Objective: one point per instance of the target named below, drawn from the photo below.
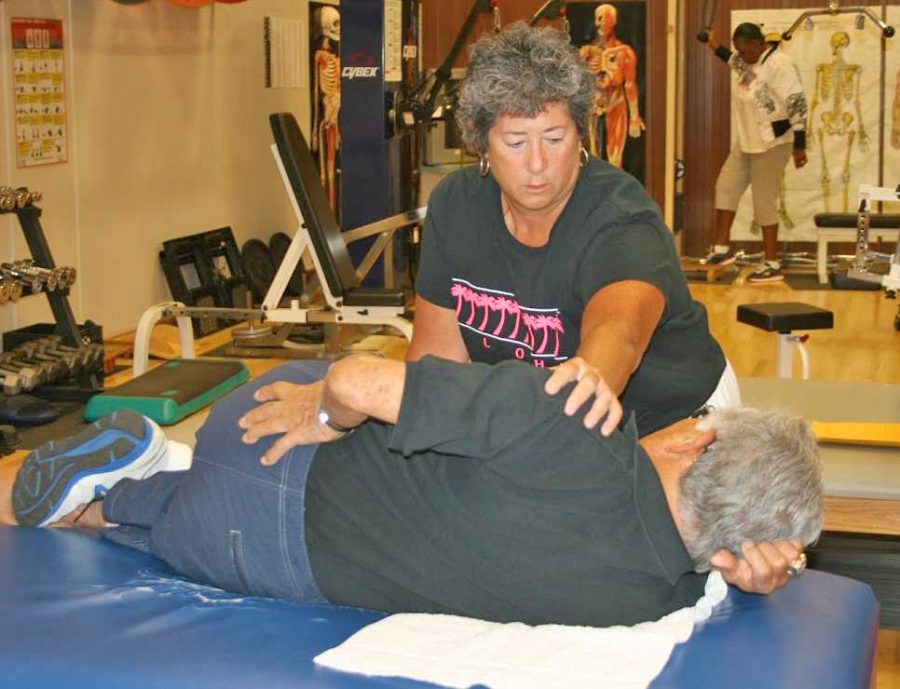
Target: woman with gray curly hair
(544, 254)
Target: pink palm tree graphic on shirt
(495, 310)
(472, 297)
(546, 324)
(483, 301)
(459, 291)
(502, 305)
(529, 322)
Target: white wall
(168, 134)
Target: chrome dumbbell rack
(88, 382)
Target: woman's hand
(289, 409)
(799, 157)
(589, 384)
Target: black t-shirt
(518, 302)
(485, 500)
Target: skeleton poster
(325, 64)
(891, 177)
(611, 37)
(839, 66)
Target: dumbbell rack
(88, 383)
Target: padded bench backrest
(324, 231)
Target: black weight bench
(783, 318)
(347, 300)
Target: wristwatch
(325, 419)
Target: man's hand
(590, 384)
(290, 409)
(763, 567)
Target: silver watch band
(325, 419)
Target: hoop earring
(583, 158)
(484, 166)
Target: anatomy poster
(611, 36)
(39, 94)
(892, 107)
(840, 67)
(325, 64)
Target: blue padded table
(79, 612)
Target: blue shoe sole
(51, 471)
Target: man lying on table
(462, 489)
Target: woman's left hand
(589, 384)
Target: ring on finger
(797, 565)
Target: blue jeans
(229, 521)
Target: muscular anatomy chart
(616, 110)
(326, 96)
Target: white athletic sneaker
(61, 475)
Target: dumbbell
(29, 278)
(10, 290)
(15, 290)
(13, 361)
(18, 378)
(12, 382)
(67, 276)
(75, 359)
(78, 357)
(87, 355)
(32, 354)
(26, 268)
(21, 197)
(63, 365)
(97, 351)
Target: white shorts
(728, 392)
(762, 172)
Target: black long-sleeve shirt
(486, 500)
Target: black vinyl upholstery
(784, 317)
(877, 221)
(324, 231)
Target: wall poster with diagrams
(891, 177)
(840, 64)
(39, 91)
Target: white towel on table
(461, 651)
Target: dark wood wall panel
(706, 113)
(443, 19)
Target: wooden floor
(863, 346)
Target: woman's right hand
(711, 39)
(590, 384)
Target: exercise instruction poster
(39, 85)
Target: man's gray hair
(518, 72)
(759, 481)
